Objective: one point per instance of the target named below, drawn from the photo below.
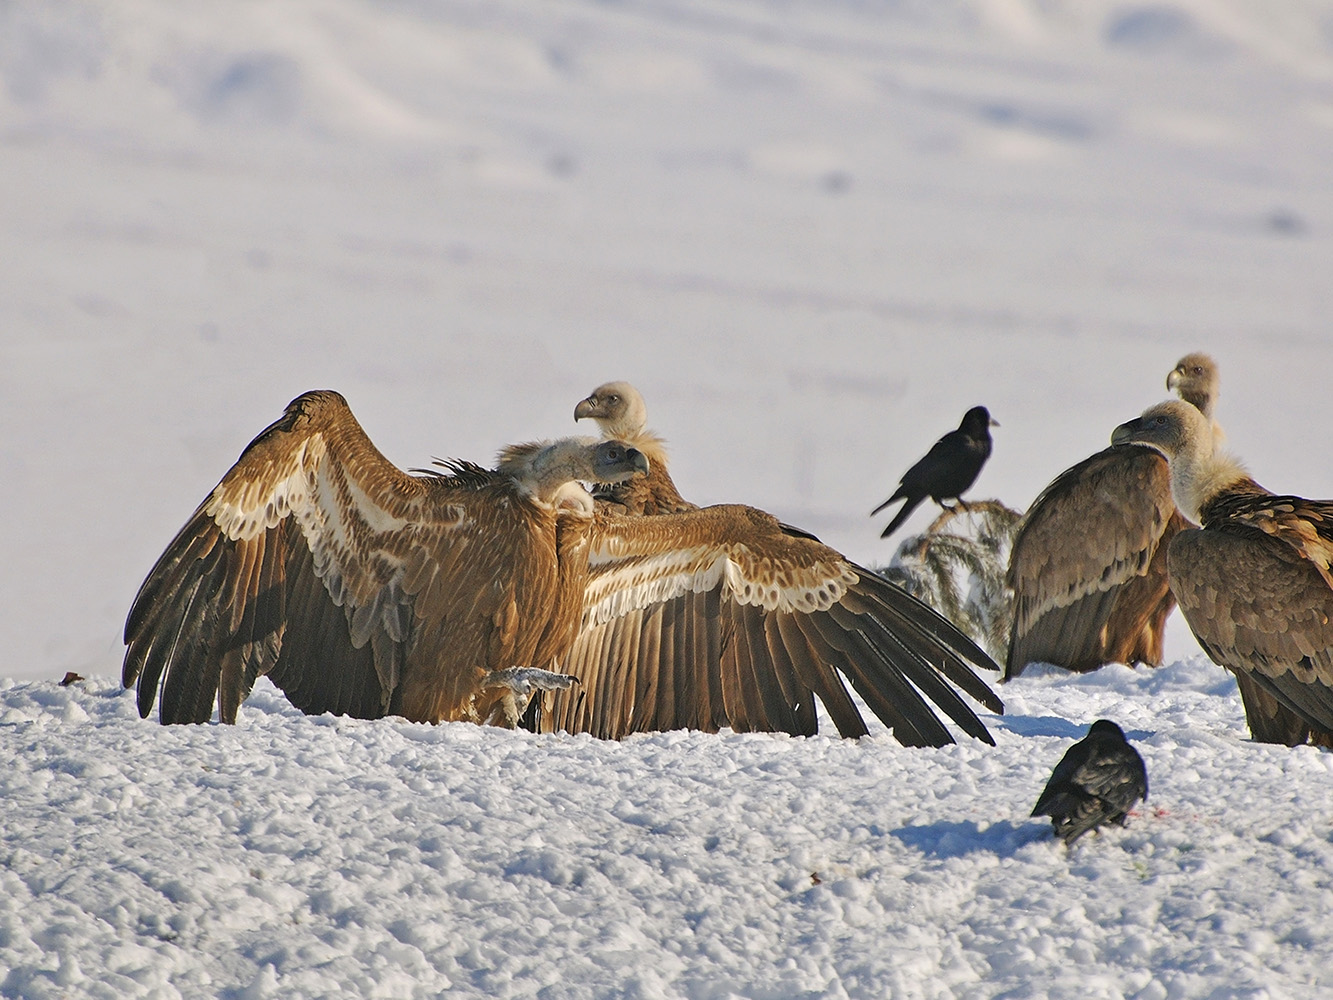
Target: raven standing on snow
(1097, 781)
(948, 469)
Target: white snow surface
(813, 235)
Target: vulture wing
(1260, 605)
(1088, 567)
(358, 588)
(726, 617)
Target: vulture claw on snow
(1088, 563)
(1253, 581)
(947, 471)
(1097, 781)
(725, 617)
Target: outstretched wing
(309, 562)
(1087, 587)
(725, 617)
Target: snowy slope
(813, 234)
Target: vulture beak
(994, 422)
(617, 462)
(586, 408)
(1174, 377)
(1124, 434)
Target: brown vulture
(1253, 581)
(725, 617)
(1088, 564)
(360, 589)
(620, 413)
(947, 470)
(363, 590)
(1097, 781)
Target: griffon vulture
(947, 470)
(620, 413)
(1253, 581)
(1097, 781)
(725, 617)
(362, 590)
(1088, 564)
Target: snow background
(813, 235)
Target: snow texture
(813, 235)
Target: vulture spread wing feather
(282, 525)
(720, 617)
(358, 588)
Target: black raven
(1097, 781)
(949, 468)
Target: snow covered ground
(321, 857)
(813, 234)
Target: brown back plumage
(1254, 587)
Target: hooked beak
(1123, 433)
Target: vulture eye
(1198, 369)
(613, 399)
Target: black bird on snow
(1097, 781)
(949, 468)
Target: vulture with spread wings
(360, 589)
(725, 617)
(1253, 581)
(1088, 564)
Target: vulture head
(546, 470)
(1195, 380)
(617, 407)
(1184, 435)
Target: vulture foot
(521, 682)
